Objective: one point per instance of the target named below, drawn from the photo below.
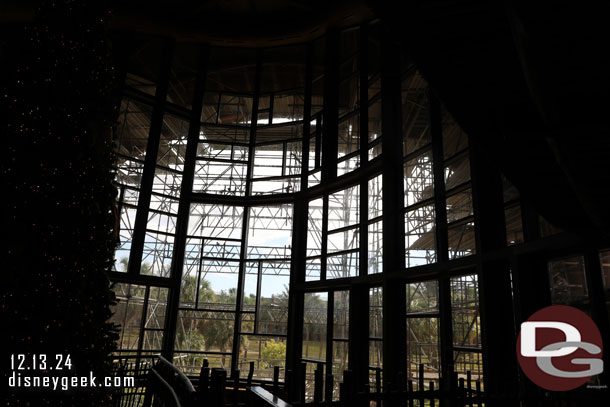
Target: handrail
(164, 389)
(259, 397)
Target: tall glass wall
(252, 214)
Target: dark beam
(294, 346)
(152, 148)
(495, 296)
(184, 209)
(330, 125)
(394, 306)
(442, 248)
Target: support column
(294, 347)
(359, 294)
(495, 296)
(244, 231)
(186, 188)
(531, 293)
(152, 149)
(442, 249)
(330, 118)
(394, 296)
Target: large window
(242, 212)
(418, 172)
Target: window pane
(167, 182)
(273, 310)
(161, 222)
(420, 245)
(461, 240)
(266, 353)
(314, 326)
(418, 179)
(344, 208)
(344, 240)
(128, 218)
(288, 107)
(340, 364)
(376, 312)
(375, 333)
(204, 331)
(191, 363)
(220, 178)
(604, 257)
(314, 179)
(341, 315)
(465, 311)
(270, 232)
(514, 226)
(375, 197)
(472, 362)
(152, 340)
(342, 265)
(268, 160)
(133, 127)
(276, 186)
(459, 205)
(457, 171)
(127, 313)
(454, 138)
(374, 129)
(312, 269)
(422, 297)
(568, 284)
(423, 349)
(347, 165)
(375, 250)
(157, 254)
(216, 221)
(509, 191)
(157, 304)
(172, 143)
(312, 159)
(349, 135)
(251, 286)
(212, 285)
(349, 78)
(415, 113)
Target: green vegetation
(274, 353)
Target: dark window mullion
(186, 187)
(257, 307)
(244, 235)
(148, 173)
(143, 321)
(199, 265)
(442, 245)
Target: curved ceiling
(233, 22)
(528, 81)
